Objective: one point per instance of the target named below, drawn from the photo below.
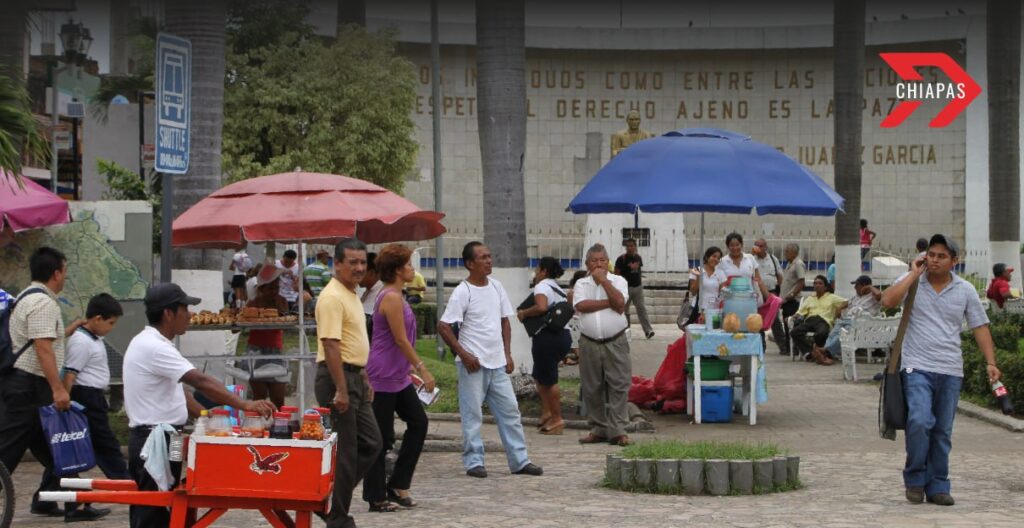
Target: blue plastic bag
(68, 435)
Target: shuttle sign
(173, 103)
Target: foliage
(674, 449)
(125, 184)
(292, 100)
(1006, 333)
(18, 129)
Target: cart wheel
(6, 497)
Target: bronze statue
(624, 138)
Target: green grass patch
(445, 374)
(669, 449)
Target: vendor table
(701, 342)
(269, 475)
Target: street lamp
(75, 40)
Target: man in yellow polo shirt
(815, 315)
(341, 383)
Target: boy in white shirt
(87, 376)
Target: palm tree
(18, 128)
(13, 33)
(351, 12)
(848, 92)
(203, 23)
(501, 92)
(1003, 58)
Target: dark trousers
(780, 327)
(146, 516)
(359, 440)
(104, 442)
(814, 324)
(410, 410)
(21, 429)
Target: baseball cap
(999, 269)
(269, 273)
(951, 245)
(166, 294)
(862, 280)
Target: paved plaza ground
(851, 476)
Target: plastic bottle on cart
(280, 428)
(312, 427)
(201, 423)
(293, 416)
(220, 423)
(252, 425)
(325, 417)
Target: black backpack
(7, 354)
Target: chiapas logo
(913, 91)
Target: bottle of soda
(999, 391)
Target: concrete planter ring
(699, 476)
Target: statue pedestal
(666, 251)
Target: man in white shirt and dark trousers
(605, 368)
(479, 306)
(154, 371)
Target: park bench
(866, 333)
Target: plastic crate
(716, 403)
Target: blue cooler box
(716, 401)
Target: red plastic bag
(641, 392)
(670, 381)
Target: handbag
(558, 315)
(67, 433)
(689, 312)
(892, 402)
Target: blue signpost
(173, 112)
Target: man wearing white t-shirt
(480, 308)
(153, 373)
(290, 285)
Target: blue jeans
(931, 406)
(832, 344)
(494, 387)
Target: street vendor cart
(273, 476)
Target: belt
(344, 366)
(606, 340)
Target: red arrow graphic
(905, 65)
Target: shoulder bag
(690, 310)
(892, 403)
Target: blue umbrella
(705, 170)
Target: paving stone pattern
(851, 476)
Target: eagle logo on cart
(270, 463)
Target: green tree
(18, 131)
(293, 100)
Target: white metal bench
(1011, 306)
(868, 333)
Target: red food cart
(270, 475)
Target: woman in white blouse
(740, 264)
(706, 281)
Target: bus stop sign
(173, 103)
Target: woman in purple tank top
(392, 358)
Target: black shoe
(477, 471)
(915, 495)
(878, 376)
(53, 511)
(649, 334)
(530, 469)
(86, 513)
(942, 499)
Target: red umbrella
(302, 207)
(29, 207)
